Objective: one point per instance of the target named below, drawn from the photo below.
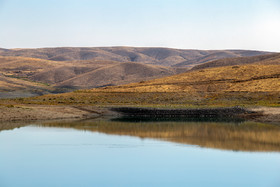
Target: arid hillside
(26, 74)
(15, 87)
(55, 70)
(246, 78)
(23, 67)
(269, 59)
(245, 85)
(155, 56)
(118, 74)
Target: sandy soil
(270, 114)
(40, 112)
(27, 113)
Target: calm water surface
(135, 154)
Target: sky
(186, 24)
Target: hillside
(68, 69)
(244, 74)
(24, 66)
(117, 74)
(245, 85)
(14, 87)
(155, 56)
(246, 78)
(260, 59)
(61, 76)
(9, 83)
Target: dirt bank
(269, 114)
(29, 113)
(48, 112)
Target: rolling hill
(243, 85)
(246, 78)
(14, 87)
(54, 70)
(155, 56)
(26, 74)
(248, 84)
(260, 59)
(118, 74)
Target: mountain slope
(68, 69)
(260, 59)
(121, 73)
(25, 66)
(245, 85)
(246, 78)
(72, 75)
(156, 56)
(14, 87)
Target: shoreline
(45, 112)
(23, 113)
(221, 112)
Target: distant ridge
(54, 70)
(246, 74)
(268, 59)
(34, 76)
(146, 55)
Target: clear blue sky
(189, 24)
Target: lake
(128, 153)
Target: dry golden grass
(247, 85)
(251, 84)
(25, 64)
(14, 84)
(246, 78)
(71, 75)
(15, 73)
(81, 74)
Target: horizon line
(128, 46)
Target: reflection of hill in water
(11, 125)
(246, 136)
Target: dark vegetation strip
(197, 113)
(136, 119)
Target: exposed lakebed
(122, 152)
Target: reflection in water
(87, 153)
(11, 125)
(245, 136)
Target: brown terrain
(245, 81)
(23, 113)
(29, 72)
(36, 76)
(246, 78)
(155, 56)
(269, 59)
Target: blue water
(58, 157)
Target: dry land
(42, 112)
(33, 112)
(251, 82)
